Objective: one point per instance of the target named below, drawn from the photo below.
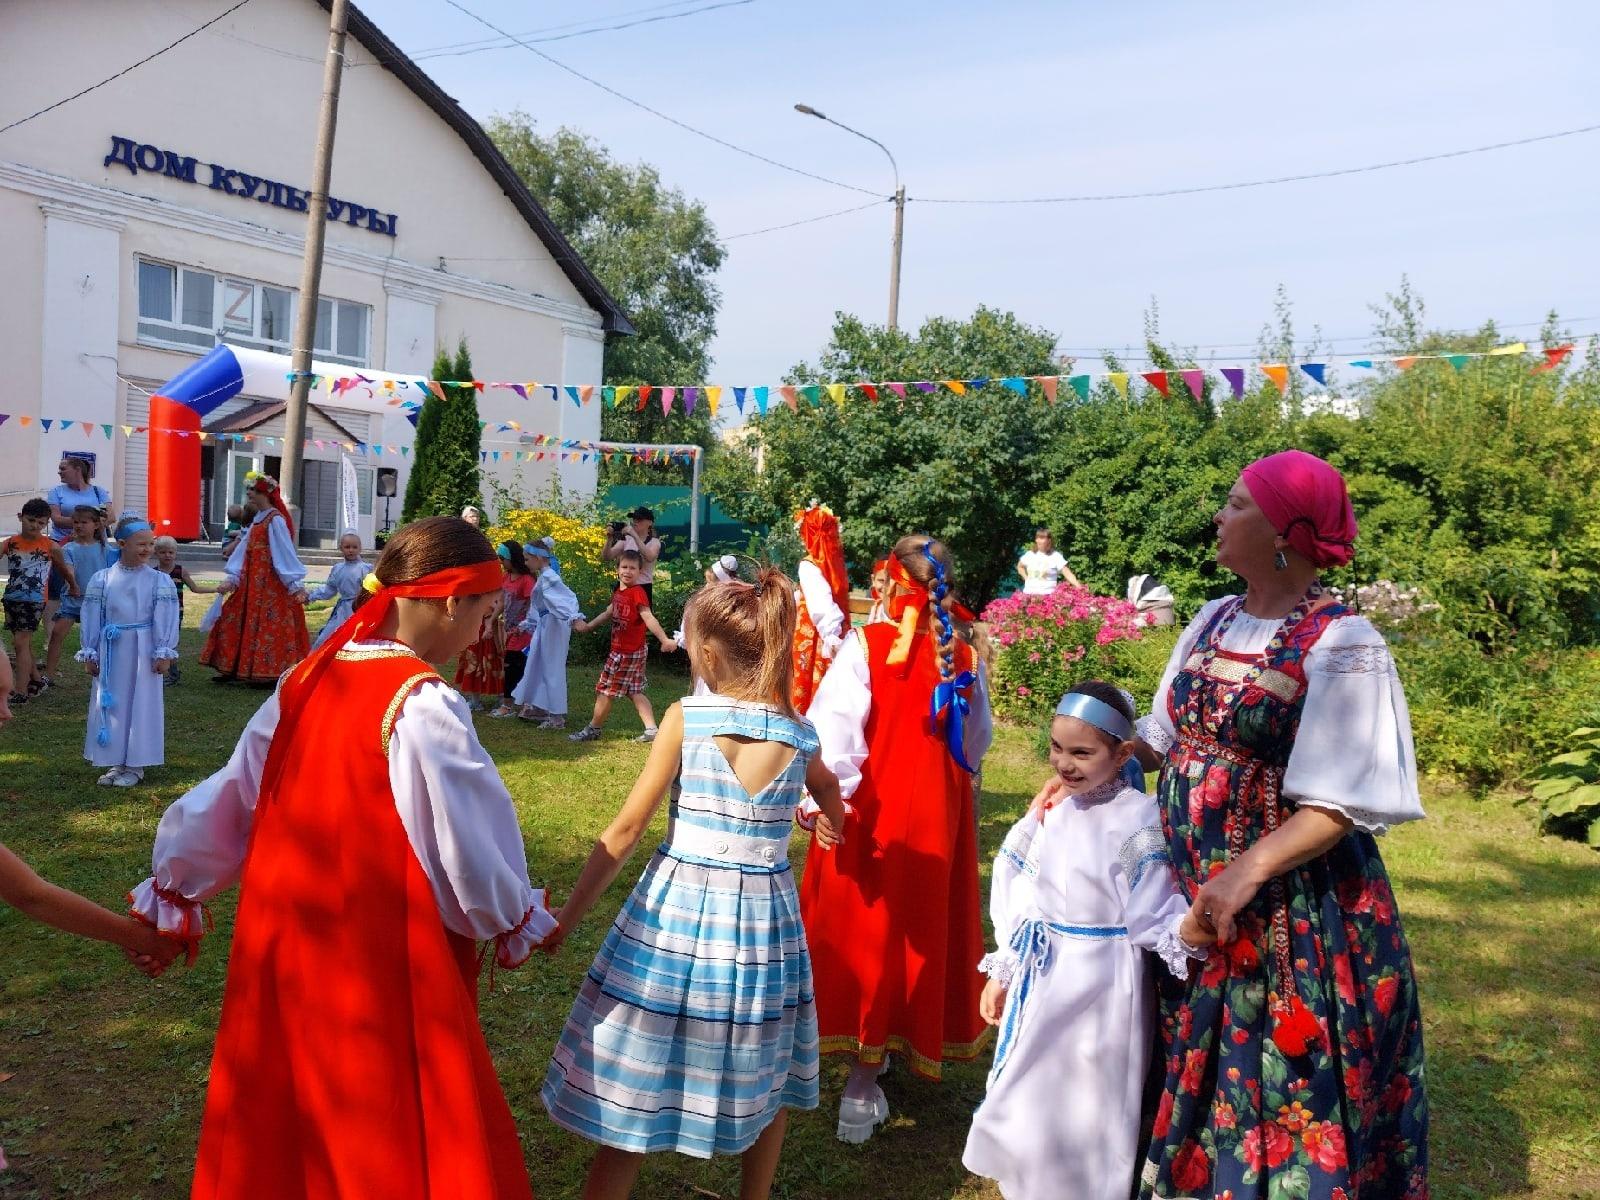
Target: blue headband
(543, 552)
(503, 551)
(1097, 713)
(131, 527)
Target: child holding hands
(696, 1028)
(1082, 886)
(623, 674)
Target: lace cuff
(171, 914)
(1372, 658)
(1000, 966)
(1155, 734)
(513, 947)
(1366, 819)
(1175, 953)
(164, 652)
(88, 655)
(807, 811)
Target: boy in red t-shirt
(623, 674)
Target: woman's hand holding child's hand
(828, 835)
(149, 952)
(1196, 930)
(993, 1002)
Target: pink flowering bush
(1044, 644)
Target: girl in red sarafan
(823, 616)
(261, 631)
(893, 915)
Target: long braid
(947, 632)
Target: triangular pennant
(1457, 360)
(576, 399)
(1235, 378)
(738, 398)
(1406, 362)
(478, 383)
(1080, 384)
(608, 396)
(925, 386)
(1195, 380)
(1361, 362)
(813, 394)
(1317, 371)
(586, 393)
(691, 396)
(899, 389)
(88, 426)
(1278, 373)
(48, 421)
(1514, 348)
(106, 429)
(1016, 383)
(761, 400)
(24, 421)
(127, 431)
(1049, 383)
(644, 395)
(520, 389)
(668, 395)
(1119, 380)
(4, 417)
(713, 398)
(619, 396)
(1157, 380)
(957, 386)
(1553, 356)
(871, 390)
(788, 394)
(836, 393)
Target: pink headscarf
(1305, 500)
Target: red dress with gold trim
(893, 915)
(349, 1061)
(481, 667)
(261, 631)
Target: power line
(502, 44)
(125, 70)
(627, 12)
(1255, 183)
(655, 112)
(809, 220)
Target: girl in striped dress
(695, 1029)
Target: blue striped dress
(697, 1022)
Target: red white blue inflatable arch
(178, 409)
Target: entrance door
(319, 503)
(240, 464)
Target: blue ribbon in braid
(948, 700)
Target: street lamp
(899, 209)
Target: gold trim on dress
(392, 713)
(1231, 670)
(896, 1044)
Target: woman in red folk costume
(893, 915)
(261, 631)
(375, 846)
(824, 601)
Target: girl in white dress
(1082, 887)
(130, 639)
(344, 581)
(542, 691)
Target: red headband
(473, 580)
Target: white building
(164, 211)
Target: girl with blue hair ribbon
(552, 608)
(130, 638)
(1081, 888)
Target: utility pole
(894, 265)
(305, 325)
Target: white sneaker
(649, 735)
(553, 723)
(859, 1119)
(109, 777)
(128, 777)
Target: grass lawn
(102, 1073)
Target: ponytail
(752, 627)
(776, 608)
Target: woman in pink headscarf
(1294, 1058)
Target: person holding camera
(637, 533)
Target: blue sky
(1027, 99)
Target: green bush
(1568, 790)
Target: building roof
(262, 411)
(430, 93)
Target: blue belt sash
(110, 634)
(1032, 944)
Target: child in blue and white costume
(344, 581)
(1082, 887)
(542, 691)
(130, 639)
(696, 1029)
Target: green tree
(963, 468)
(656, 251)
(444, 459)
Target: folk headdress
(267, 486)
(819, 534)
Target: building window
(364, 491)
(186, 308)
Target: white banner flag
(349, 502)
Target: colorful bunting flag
(1407, 362)
(1317, 371)
(644, 395)
(871, 390)
(1362, 362)
(45, 421)
(1080, 384)
(1235, 378)
(1157, 380)
(899, 389)
(1279, 374)
(1049, 383)
(1456, 360)
(1553, 357)
(738, 398)
(836, 393)
(761, 400)
(690, 397)
(813, 394)
(586, 393)
(1514, 348)
(1119, 380)
(788, 394)
(1016, 384)
(713, 398)
(1195, 381)
(956, 386)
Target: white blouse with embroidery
(1353, 753)
(456, 812)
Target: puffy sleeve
(234, 568)
(559, 600)
(202, 838)
(286, 563)
(463, 827)
(1353, 753)
(1011, 901)
(839, 711)
(826, 615)
(1156, 727)
(166, 619)
(93, 617)
(979, 730)
(1154, 905)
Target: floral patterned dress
(1247, 1110)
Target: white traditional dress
(130, 620)
(456, 812)
(1079, 893)
(551, 611)
(344, 581)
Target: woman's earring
(1280, 561)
